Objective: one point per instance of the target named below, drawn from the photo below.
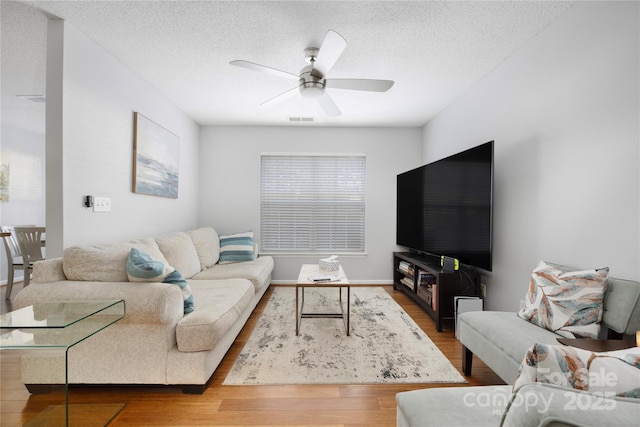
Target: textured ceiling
(433, 50)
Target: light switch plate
(102, 204)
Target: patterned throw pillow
(141, 267)
(236, 248)
(569, 304)
(614, 373)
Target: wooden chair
(14, 256)
(30, 240)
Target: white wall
(564, 112)
(92, 152)
(22, 138)
(230, 184)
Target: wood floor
(289, 405)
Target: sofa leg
(193, 389)
(467, 359)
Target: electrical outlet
(102, 204)
(483, 290)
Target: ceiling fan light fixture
(312, 89)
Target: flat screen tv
(445, 207)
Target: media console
(431, 287)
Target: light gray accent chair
(501, 340)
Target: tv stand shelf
(432, 288)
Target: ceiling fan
(312, 81)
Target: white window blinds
(312, 203)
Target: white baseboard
(16, 279)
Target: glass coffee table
(336, 279)
(61, 325)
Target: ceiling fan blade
(264, 69)
(331, 49)
(371, 85)
(280, 98)
(328, 105)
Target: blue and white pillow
(177, 279)
(141, 267)
(236, 248)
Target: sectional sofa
(501, 339)
(506, 342)
(158, 342)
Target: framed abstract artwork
(156, 159)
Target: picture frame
(156, 159)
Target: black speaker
(449, 263)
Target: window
(21, 176)
(312, 203)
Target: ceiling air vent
(301, 119)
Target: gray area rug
(385, 346)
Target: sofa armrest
(540, 404)
(48, 270)
(146, 303)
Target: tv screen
(445, 207)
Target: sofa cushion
(622, 306)
(501, 339)
(567, 303)
(236, 247)
(223, 301)
(257, 271)
(180, 252)
(452, 406)
(552, 406)
(207, 244)
(104, 262)
(143, 268)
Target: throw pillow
(236, 248)
(141, 267)
(176, 278)
(567, 303)
(207, 243)
(179, 251)
(608, 373)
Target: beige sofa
(155, 343)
